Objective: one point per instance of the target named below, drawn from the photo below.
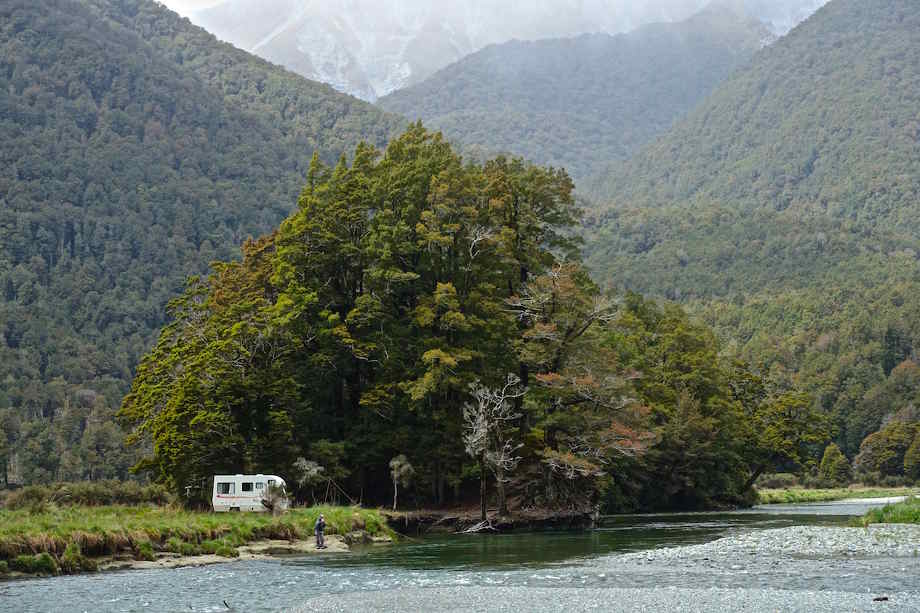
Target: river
(540, 566)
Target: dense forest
(784, 211)
(136, 149)
(578, 103)
(422, 313)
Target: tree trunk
(757, 472)
(482, 488)
(394, 494)
(502, 500)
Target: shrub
(892, 481)
(226, 551)
(41, 564)
(872, 478)
(88, 493)
(4, 567)
(777, 481)
(835, 468)
(73, 560)
(144, 551)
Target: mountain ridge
(578, 102)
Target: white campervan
(243, 492)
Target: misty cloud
(372, 47)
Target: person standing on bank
(319, 529)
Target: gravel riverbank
(878, 540)
(801, 568)
(663, 600)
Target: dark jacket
(320, 526)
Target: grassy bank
(798, 495)
(71, 539)
(907, 512)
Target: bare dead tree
(487, 424)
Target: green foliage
(835, 468)
(912, 459)
(784, 211)
(800, 495)
(88, 494)
(579, 103)
(39, 564)
(884, 451)
(907, 512)
(718, 427)
(774, 481)
(136, 149)
(144, 551)
(73, 561)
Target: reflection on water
(549, 559)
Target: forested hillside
(580, 102)
(136, 149)
(785, 209)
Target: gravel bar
(878, 540)
(650, 600)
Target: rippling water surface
(551, 559)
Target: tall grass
(907, 512)
(72, 533)
(87, 493)
(798, 495)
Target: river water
(536, 561)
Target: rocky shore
(798, 542)
(257, 550)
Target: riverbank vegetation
(67, 539)
(906, 512)
(86, 493)
(419, 307)
(800, 495)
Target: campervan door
(242, 492)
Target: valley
(623, 272)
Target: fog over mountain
(372, 47)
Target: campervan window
(226, 488)
(271, 482)
(260, 485)
(247, 486)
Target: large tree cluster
(420, 308)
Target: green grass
(72, 536)
(907, 512)
(796, 495)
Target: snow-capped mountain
(372, 47)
